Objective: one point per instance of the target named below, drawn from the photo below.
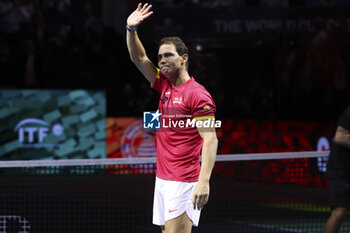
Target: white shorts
(172, 199)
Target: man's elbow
(137, 59)
(133, 59)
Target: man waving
(182, 183)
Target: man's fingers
(148, 14)
(142, 12)
(148, 8)
(194, 201)
(146, 11)
(200, 201)
(144, 7)
(206, 198)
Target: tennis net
(272, 193)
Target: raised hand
(140, 14)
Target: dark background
(299, 73)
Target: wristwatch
(130, 29)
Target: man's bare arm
(136, 50)
(342, 136)
(209, 149)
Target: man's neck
(180, 78)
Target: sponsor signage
(52, 124)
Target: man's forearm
(136, 50)
(209, 149)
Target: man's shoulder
(196, 87)
(197, 92)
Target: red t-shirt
(179, 148)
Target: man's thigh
(180, 224)
(172, 200)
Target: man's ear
(184, 58)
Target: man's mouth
(164, 67)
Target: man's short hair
(180, 46)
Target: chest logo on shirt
(177, 100)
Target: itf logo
(151, 120)
(32, 132)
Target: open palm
(140, 14)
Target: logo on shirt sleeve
(206, 107)
(151, 120)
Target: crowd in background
(64, 44)
(46, 44)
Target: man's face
(169, 61)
